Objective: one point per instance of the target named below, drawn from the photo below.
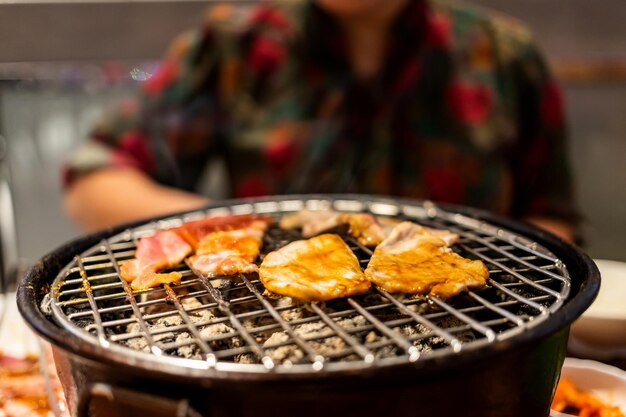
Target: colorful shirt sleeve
(183, 113)
(542, 180)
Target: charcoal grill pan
(513, 378)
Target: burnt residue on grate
(233, 320)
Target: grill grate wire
(230, 325)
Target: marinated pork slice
(366, 228)
(165, 249)
(414, 260)
(312, 222)
(228, 252)
(318, 269)
(153, 279)
(196, 231)
(447, 236)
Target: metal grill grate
(229, 325)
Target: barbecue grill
(221, 346)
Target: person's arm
(563, 229)
(118, 195)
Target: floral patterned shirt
(463, 111)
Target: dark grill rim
(585, 280)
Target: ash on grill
(277, 343)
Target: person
(423, 99)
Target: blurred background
(64, 63)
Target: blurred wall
(42, 123)
(97, 30)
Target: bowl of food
(590, 388)
(601, 330)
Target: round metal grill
(228, 323)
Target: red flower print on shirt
(470, 103)
(133, 150)
(252, 186)
(272, 17)
(265, 55)
(166, 73)
(438, 31)
(444, 183)
(552, 105)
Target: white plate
(607, 383)
(610, 300)
(600, 332)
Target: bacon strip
(223, 245)
(165, 249)
(228, 252)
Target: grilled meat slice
(416, 260)
(318, 269)
(152, 279)
(229, 252)
(165, 249)
(246, 239)
(367, 228)
(312, 222)
(195, 232)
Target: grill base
(517, 383)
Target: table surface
(16, 338)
